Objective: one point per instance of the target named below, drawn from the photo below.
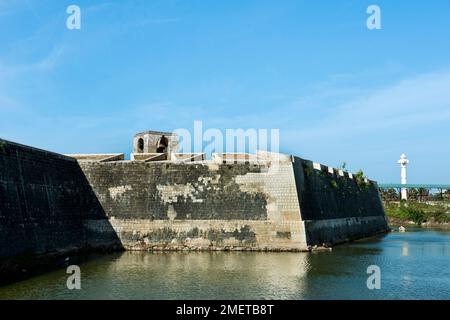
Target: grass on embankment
(437, 213)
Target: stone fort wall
(200, 205)
(335, 206)
(44, 201)
(51, 205)
(294, 205)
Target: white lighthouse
(403, 163)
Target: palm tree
(423, 193)
(389, 194)
(413, 194)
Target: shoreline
(396, 222)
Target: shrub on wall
(360, 178)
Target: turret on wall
(154, 143)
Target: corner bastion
(54, 204)
(261, 202)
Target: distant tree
(389, 194)
(413, 194)
(423, 194)
(384, 194)
(393, 194)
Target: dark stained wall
(138, 190)
(323, 195)
(337, 208)
(44, 199)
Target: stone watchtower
(155, 143)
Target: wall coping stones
(97, 157)
(54, 154)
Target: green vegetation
(389, 194)
(419, 212)
(360, 178)
(307, 170)
(333, 184)
(414, 194)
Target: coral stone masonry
(164, 200)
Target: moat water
(413, 265)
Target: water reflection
(405, 249)
(413, 265)
(212, 275)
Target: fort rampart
(52, 204)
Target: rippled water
(414, 265)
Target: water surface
(414, 265)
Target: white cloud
(423, 100)
(10, 71)
(53, 58)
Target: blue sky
(336, 90)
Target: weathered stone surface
(325, 195)
(228, 206)
(44, 199)
(335, 207)
(288, 205)
(51, 205)
(189, 191)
